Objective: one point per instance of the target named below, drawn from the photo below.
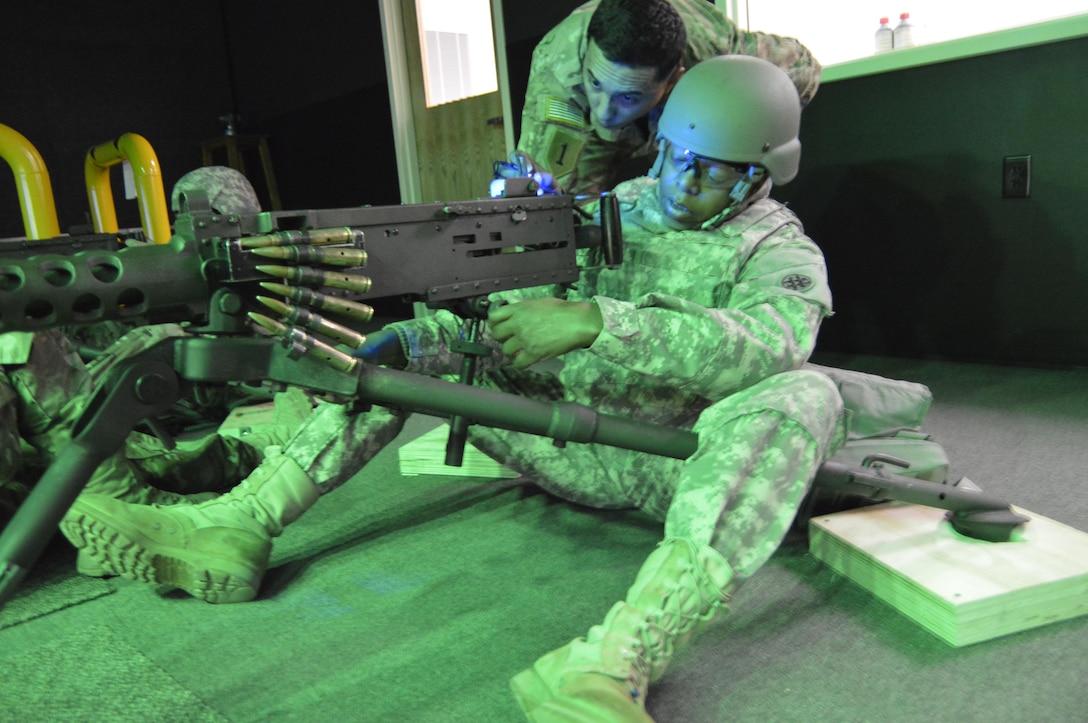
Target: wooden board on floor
(426, 454)
(241, 419)
(961, 589)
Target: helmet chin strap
(655, 170)
(743, 188)
(753, 177)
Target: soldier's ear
(676, 74)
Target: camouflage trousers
(336, 442)
(41, 400)
(758, 452)
(757, 455)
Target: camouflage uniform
(555, 129)
(45, 386)
(703, 330)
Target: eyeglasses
(711, 173)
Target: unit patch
(564, 146)
(796, 282)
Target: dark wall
(73, 76)
(311, 78)
(900, 184)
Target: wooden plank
(247, 417)
(427, 455)
(961, 589)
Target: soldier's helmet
(228, 191)
(737, 109)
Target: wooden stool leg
(234, 157)
(269, 174)
(235, 147)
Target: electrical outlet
(1016, 177)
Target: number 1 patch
(563, 149)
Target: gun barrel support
(145, 388)
(971, 512)
(562, 421)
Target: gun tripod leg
(145, 387)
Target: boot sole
(88, 566)
(134, 556)
(587, 703)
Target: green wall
(900, 184)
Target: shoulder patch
(564, 147)
(796, 282)
(557, 110)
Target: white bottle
(884, 37)
(904, 32)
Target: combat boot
(605, 676)
(86, 564)
(117, 477)
(217, 550)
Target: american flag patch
(560, 111)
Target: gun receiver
(441, 254)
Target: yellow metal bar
(154, 216)
(32, 183)
(96, 174)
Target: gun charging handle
(606, 234)
(611, 234)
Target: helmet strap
(655, 169)
(740, 191)
(752, 179)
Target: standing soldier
(599, 80)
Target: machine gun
(212, 274)
(443, 254)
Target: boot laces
(638, 654)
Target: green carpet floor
(416, 598)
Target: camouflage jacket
(555, 128)
(690, 317)
(42, 382)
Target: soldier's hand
(539, 329)
(521, 165)
(382, 347)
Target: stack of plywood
(961, 589)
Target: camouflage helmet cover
(229, 192)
